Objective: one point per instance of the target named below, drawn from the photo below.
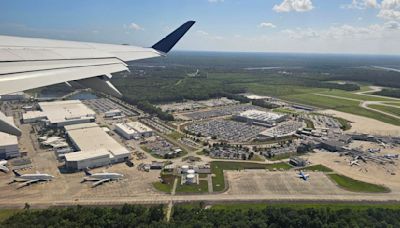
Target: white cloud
(390, 10)
(215, 1)
(294, 5)
(361, 4)
(266, 25)
(134, 26)
(201, 32)
(392, 25)
(207, 35)
(346, 32)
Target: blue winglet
(167, 43)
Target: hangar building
(96, 147)
(62, 113)
(8, 144)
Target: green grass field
(343, 105)
(167, 188)
(352, 185)
(319, 168)
(391, 110)
(218, 167)
(202, 187)
(352, 95)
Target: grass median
(352, 185)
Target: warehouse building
(82, 160)
(62, 113)
(8, 145)
(262, 118)
(93, 144)
(113, 113)
(133, 130)
(33, 117)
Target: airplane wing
(100, 182)
(27, 63)
(26, 183)
(4, 168)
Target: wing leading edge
(27, 63)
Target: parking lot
(226, 130)
(102, 105)
(321, 121)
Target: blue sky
(323, 26)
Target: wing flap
(97, 183)
(26, 183)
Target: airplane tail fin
(87, 172)
(16, 173)
(167, 43)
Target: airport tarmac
(261, 182)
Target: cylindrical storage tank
(190, 178)
(185, 168)
(190, 171)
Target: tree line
(153, 216)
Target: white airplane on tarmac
(28, 63)
(101, 178)
(3, 166)
(29, 179)
(303, 176)
(354, 162)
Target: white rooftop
(33, 115)
(256, 97)
(139, 127)
(85, 155)
(126, 129)
(7, 139)
(60, 111)
(90, 137)
(261, 115)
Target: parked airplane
(28, 63)
(354, 162)
(28, 179)
(100, 178)
(303, 175)
(3, 166)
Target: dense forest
(389, 93)
(153, 216)
(162, 80)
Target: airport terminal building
(8, 145)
